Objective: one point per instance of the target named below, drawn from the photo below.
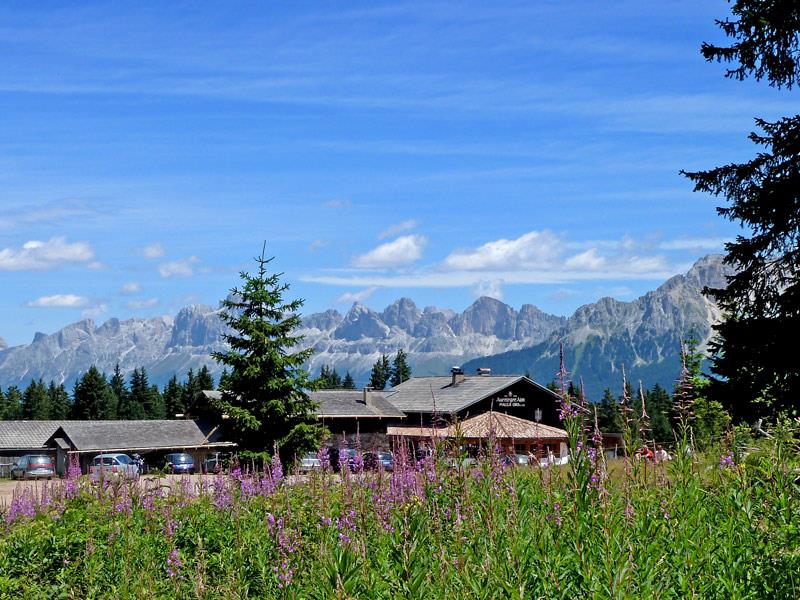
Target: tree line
(96, 396)
(654, 412)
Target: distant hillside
(644, 335)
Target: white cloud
(536, 249)
(130, 288)
(41, 255)
(184, 267)
(140, 304)
(96, 265)
(360, 296)
(490, 288)
(393, 230)
(60, 301)
(704, 243)
(588, 260)
(151, 251)
(403, 251)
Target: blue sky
(525, 150)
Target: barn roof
(438, 394)
(86, 436)
(340, 404)
(26, 435)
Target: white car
(107, 466)
(309, 462)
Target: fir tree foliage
(381, 373)
(266, 395)
(753, 354)
(329, 379)
(348, 383)
(400, 370)
(36, 402)
(93, 398)
(59, 401)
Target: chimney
(368, 395)
(458, 375)
(484, 371)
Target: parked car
(33, 466)
(517, 459)
(375, 460)
(179, 462)
(105, 466)
(215, 464)
(309, 462)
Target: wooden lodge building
(518, 413)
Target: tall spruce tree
(12, 404)
(381, 372)
(266, 396)
(145, 396)
(130, 406)
(173, 398)
(205, 381)
(93, 398)
(59, 401)
(348, 383)
(752, 355)
(120, 390)
(400, 370)
(36, 402)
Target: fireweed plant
(436, 526)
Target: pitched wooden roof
(480, 426)
(438, 394)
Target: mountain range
(643, 335)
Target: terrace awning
(489, 424)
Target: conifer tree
(59, 401)
(130, 407)
(205, 381)
(608, 416)
(3, 407)
(93, 398)
(400, 370)
(143, 395)
(347, 382)
(12, 404)
(36, 402)
(266, 396)
(381, 372)
(173, 398)
(119, 388)
(753, 352)
(191, 389)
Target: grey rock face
(361, 322)
(403, 314)
(486, 316)
(324, 321)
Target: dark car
(179, 462)
(378, 460)
(33, 466)
(343, 458)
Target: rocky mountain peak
(361, 322)
(324, 321)
(486, 316)
(196, 325)
(403, 314)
